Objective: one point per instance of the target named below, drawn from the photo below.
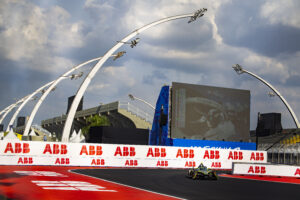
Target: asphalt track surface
(173, 182)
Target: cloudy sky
(40, 40)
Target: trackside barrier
(266, 170)
(114, 155)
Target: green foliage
(95, 120)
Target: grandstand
(120, 114)
(283, 147)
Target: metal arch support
(89, 77)
(52, 86)
(11, 107)
(240, 70)
(279, 95)
(12, 120)
(5, 109)
(145, 102)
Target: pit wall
(114, 155)
(266, 170)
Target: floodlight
(197, 14)
(238, 68)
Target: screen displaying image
(210, 113)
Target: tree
(95, 120)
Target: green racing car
(202, 172)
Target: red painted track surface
(266, 178)
(48, 182)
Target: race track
(174, 183)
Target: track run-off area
(53, 182)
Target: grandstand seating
(120, 114)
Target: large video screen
(209, 113)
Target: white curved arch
(12, 120)
(11, 107)
(52, 86)
(279, 95)
(239, 69)
(89, 77)
(5, 109)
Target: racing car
(202, 172)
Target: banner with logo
(266, 170)
(114, 155)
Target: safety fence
(145, 114)
(282, 153)
(113, 155)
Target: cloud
(266, 66)
(286, 13)
(35, 35)
(241, 24)
(109, 80)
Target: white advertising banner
(114, 155)
(266, 170)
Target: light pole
(29, 97)
(136, 98)
(45, 94)
(52, 86)
(89, 77)
(9, 108)
(5, 109)
(239, 70)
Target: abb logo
(92, 150)
(162, 163)
(185, 153)
(98, 162)
(18, 148)
(125, 151)
(158, 152)
(56, 149)
(25, 160)
(257, 170)
(257, 156)
(235, 155)
(62, 161)
(297, 172)
(131, 163)
(216, 165)
(211, 154)
(190, 164)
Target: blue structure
(214, 144)
(159, 133)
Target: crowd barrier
(266, 170)
(114, 155)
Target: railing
(283, 153)
(134, 109)
(41, 129)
